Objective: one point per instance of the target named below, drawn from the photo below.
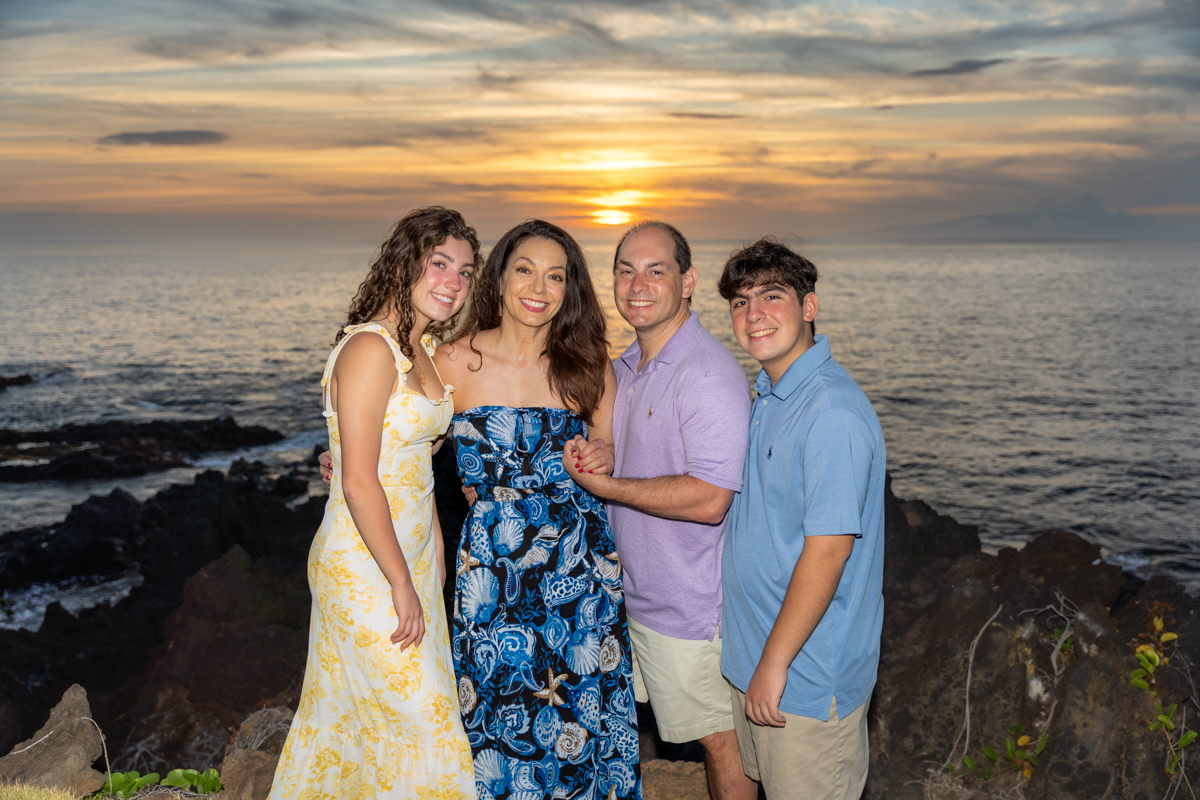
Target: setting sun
(611, 216)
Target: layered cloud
(732, 118)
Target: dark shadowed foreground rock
(173, 535)
(60, 755)
(940, 593)
(250, 760)
(237, 643)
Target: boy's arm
(810, 590)
(835, 457)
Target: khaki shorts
(682, 680)
(807, 758)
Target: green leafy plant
(126, 784)
(206, 782)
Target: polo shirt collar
(799, 372)
(671, 351)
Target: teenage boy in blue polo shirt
(802, 568)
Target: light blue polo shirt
(815, 467)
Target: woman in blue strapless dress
(540, 645)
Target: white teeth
(442, 298)
(640, 303)
(760, 334)
(534, 303)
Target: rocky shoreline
(119, 449)
(183, 670)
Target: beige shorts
(682, 680)
(806, 758)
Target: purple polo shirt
(686, 413)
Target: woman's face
(444, 285)
(535, 282)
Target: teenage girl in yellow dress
(379, 714)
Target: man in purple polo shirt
(680, 425)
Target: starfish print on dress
(466, 563)
(550, 693)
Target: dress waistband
(502, 493)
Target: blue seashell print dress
(541, 648)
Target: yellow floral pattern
(374, 722)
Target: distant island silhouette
(1085, 217)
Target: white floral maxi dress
(375, 722)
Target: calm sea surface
(1020, 386)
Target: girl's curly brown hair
(576, 348)
(400, 263)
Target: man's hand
(763, 694)
(471, 495)
(325, 461)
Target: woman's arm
(364, 377)
(602, 418)
(596, 454)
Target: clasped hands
(588, 462)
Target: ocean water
(1020, 386)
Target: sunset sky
(729, 118)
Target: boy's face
(770, 323)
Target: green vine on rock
(1154, 649)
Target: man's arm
(811, 588)
(672, 496)
(713, 423)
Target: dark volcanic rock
(250, 761)
(17, 380)
(1101, 747)
(174, 534)
(121, 449)
(60, 755)
(239, 641)
(939, 592)
(98, 537)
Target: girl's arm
(365, 376)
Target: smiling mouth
(534, 305)
(640, 303)
(762, 333)
(441, 298)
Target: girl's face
(444, 285)
(534, 282)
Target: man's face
(648, 287)
(769, 322)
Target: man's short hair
(683, 252)
(768, 261)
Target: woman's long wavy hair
(401, 263)
(576, 347)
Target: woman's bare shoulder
(455, 357)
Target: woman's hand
(325, 462)
(595, 457)
(471, 495)
(410, 628)
(599, 458)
